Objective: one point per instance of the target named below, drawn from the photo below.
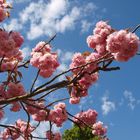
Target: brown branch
(34, 81)
(1, 62)
(37, 138)
(79, 120)
(3, 106)
(136, 28)
(58, 85)
(28, 61)
(37, 107)
(11, 128)
(46, 94)
(36, 126)
(48, 42)
(99, 60)
(61, 84)
(28, 115)
(50, 129)
(24, 64)
(57, 101)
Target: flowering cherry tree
(108, 45)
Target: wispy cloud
(131, 100)
(46, 18)
(26, 51)
(107, 105)
(85, 26)
(65, 59)
(43, 127)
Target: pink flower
(98, 129)
(44, 59)
(91, 42)
(88, 117)
(97, 41)
(17, 38)
(122, 44)
(58, 115)
(15, 107)
(74, 100)
(77, 60)
(89, 77)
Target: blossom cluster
(58, 115)
(99, 129)
(80, 89)
(37, 110)
(45, 60)
(121, 44)
(10, 54)
(15, 131)
(11, 90)
(97, 41)
(89, 118)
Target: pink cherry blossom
(44, 59)
(122, 44)
(88, 117)
(98, 129)
(97, 41)
(58, 115)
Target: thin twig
(99, 60)
(1, 61)
(136, 28)
(50, 130)
(79, 120)
(34, 81)
(57, 101)
(46, 94)
(28, 115)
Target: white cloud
(107, 105)
(65, 59)
(26, 51)
(66, 56)
(121, 102)
(43, 127)
(68, 21)
(46, 18)
(14, 25)
(62, 67)
(85, 26)
(90, 7)
(131, 99)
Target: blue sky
(116, 95)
